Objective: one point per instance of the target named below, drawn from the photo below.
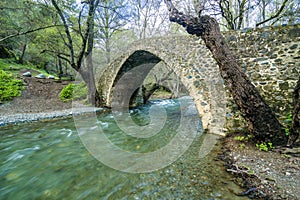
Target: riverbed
(49, 160)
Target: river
(49, 160)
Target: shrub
(9, 86)
(265, 146)
(73, 92)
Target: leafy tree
(80, 60)
(22, 21)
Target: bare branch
(79, 21)
(64, 58)
(190, 23)
(276, 14)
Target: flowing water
(47, 160)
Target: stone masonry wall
(271, 58)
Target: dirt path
(40, 95)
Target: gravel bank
(266, 175)
(11, 119)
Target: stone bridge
(269, 56)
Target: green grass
(8, 65)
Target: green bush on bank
(73, 92)
(9, 86)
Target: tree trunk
(60, 68)
(147, 93)
(93, 95)
(295, 131)
(260, 119)
(20, 60)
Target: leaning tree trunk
(261, 121)
(295, 131)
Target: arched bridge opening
(127, 85)
(121, 83)
(130, 88)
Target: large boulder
(27, 74)
(51, 77)
(41, 76)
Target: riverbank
(41, 116)
(264, 175)
(40, 101)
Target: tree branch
(64, 58)
(55, 52)
(274, 16)
(61, 55)
(67, 31)
(190, 23)
(27, 32)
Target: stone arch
(197, 71)
(134, 78)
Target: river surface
(49, 160)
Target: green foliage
(67, 92)
(73, 92)
(242, 146)
(288, 124)
(243, 138)
(265, 146)
(9, 86)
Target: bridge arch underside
(204, 85)
(126, 88)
